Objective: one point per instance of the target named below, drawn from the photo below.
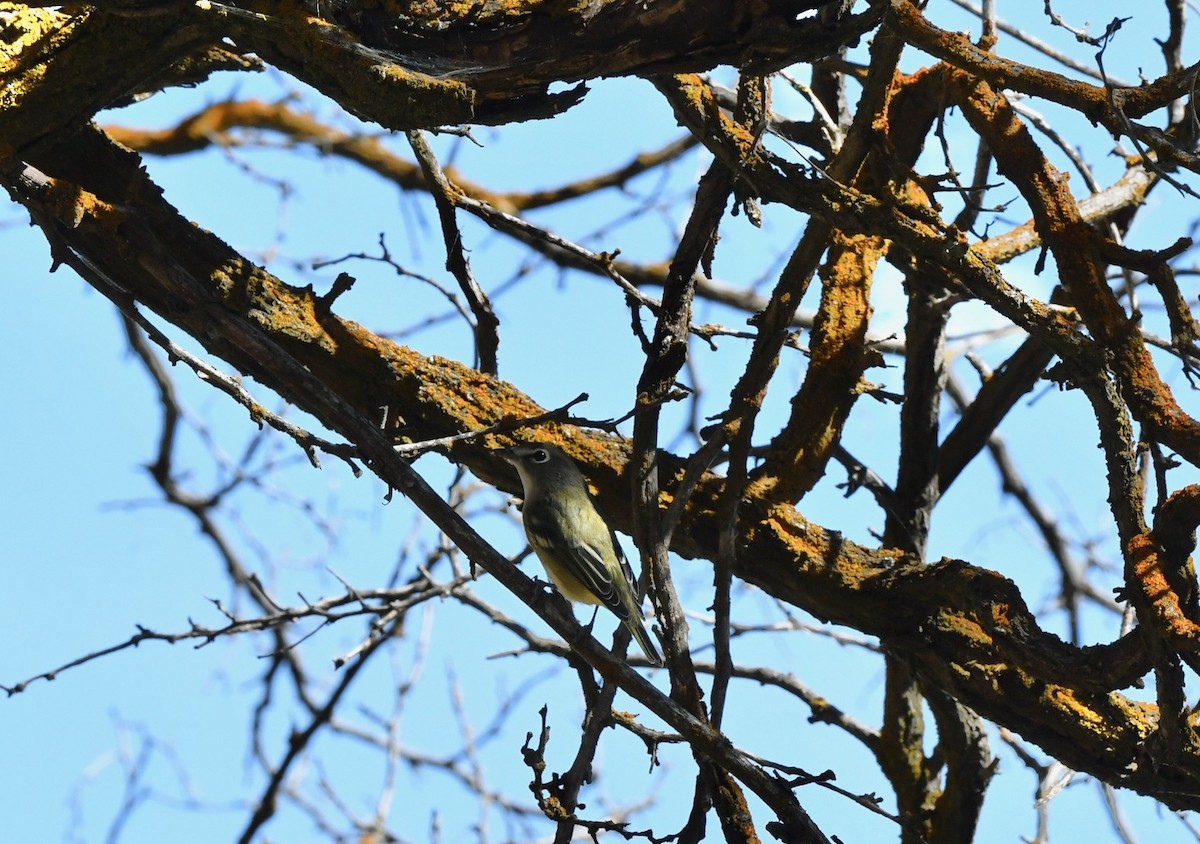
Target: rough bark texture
(963, 630)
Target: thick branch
(513, 48)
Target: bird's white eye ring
(541, 455)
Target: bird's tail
(638, 628)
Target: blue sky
(91, 552)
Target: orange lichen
(1144, 572)
(839, 357)
(966, 626)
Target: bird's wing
(582, 561)
(585, 565)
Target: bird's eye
(540, 455)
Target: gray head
(543, 466)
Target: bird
(575, 543)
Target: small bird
(573, 541)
